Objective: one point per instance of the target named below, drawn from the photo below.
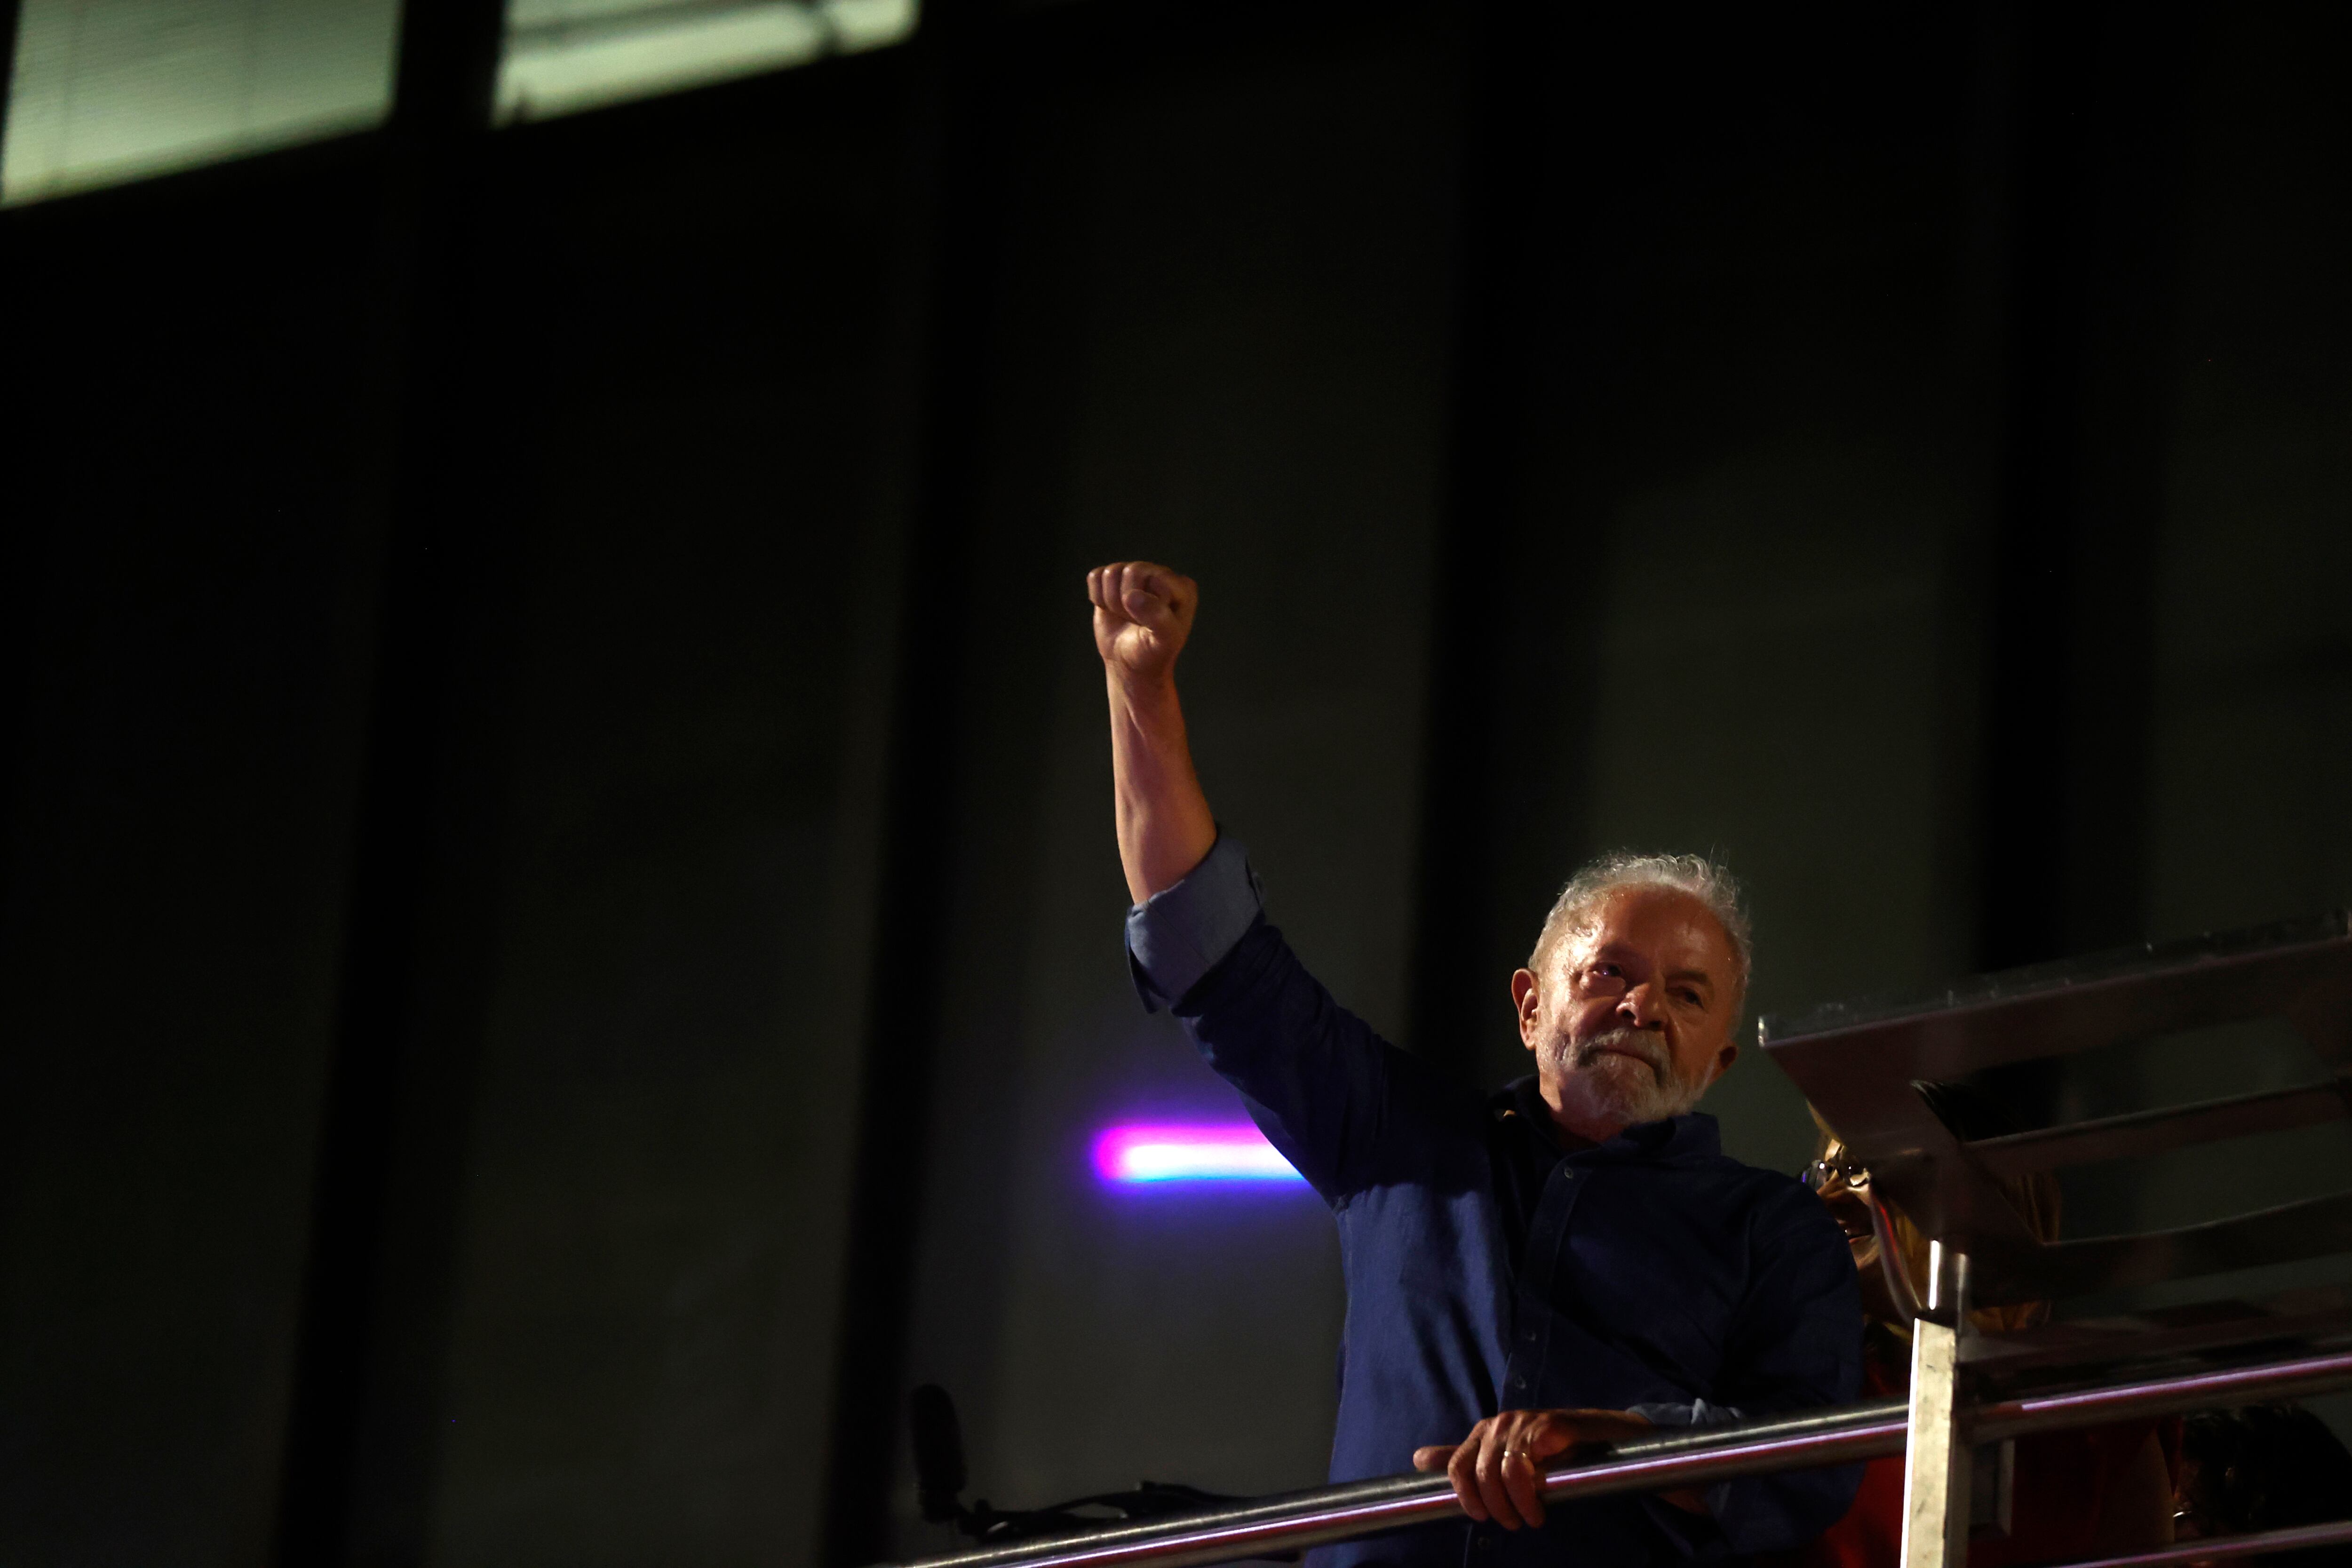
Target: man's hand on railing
(1498, 1472)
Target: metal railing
(1669, 1461)
(2236, 1548)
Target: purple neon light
(1147, 1152)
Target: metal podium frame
(1863, 1065)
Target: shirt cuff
(1180, 932)
(1697, 1412)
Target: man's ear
(1527, 999)
(1725, 1058)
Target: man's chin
(1631, 1063)
(1622, 1076)
(1630, 1097)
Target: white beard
(1614, 1088)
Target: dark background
(560, 941)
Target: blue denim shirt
(1488, 1269)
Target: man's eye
(1689, 997)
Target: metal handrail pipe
(2231, 1548)
(1326, 1514)
(1667, 1461)
(2174, 1396)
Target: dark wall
(191, 613)
(1725, 600)
(1221, 344)
(699, 359)
(2249, 685)
(2252, 648)
(660, 433)
(1810, 440)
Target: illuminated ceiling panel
(109, 90)
(567, 55)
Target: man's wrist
(1146, 696)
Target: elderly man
(1570, 1259)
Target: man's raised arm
(1143, 613)
(1315, 1073)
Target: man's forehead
(1662, 922)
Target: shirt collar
(1694, 1135)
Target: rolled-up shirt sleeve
(1179, 933)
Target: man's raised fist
(1143, 613)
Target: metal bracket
(1991, 1486)
(1939, 1464)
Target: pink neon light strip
(1151, 1153)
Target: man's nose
(1639, 1007)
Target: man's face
(1631, 1018)
(1844, 1184)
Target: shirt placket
(1525, 1368)
(1524, 1372)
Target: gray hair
(1701, 877)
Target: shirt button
(1530, 1336)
